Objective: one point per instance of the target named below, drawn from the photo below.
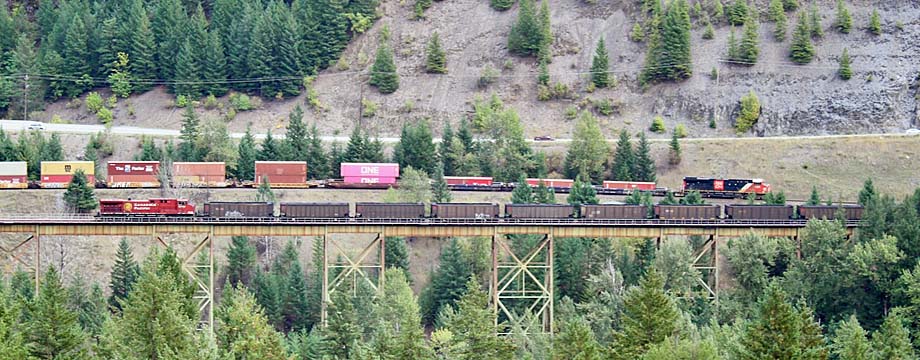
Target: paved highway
(19, 125)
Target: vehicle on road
(36, 126)
(544, 138)
(912, 132)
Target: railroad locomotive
(471, 211)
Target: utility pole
(25, 97)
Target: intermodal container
(630, 185)
(468, 180)
(314, 210)
(389, 210)
(213, 174)
(829, 212)
(239, 209)
(759, 212)
(369, 180)
(133, 174)
(57, 174)
(553, 183)
(464, 210)
(539, 211)
(14, 175)
(610, 211)
(370, 170)
(281, 172)
(695, 212)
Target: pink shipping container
(369, 180)
(212, 174)
(368, 170)
(133, 174)
(281, 172)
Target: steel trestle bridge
(517, 281)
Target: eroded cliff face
(807, 99)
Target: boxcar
(677, 212)
(539, 211)
(759, 212)
(239, 209)
(464, 211)
(314, 210)
(389, 210)
(610, 211)
(829, 212)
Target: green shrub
(210, 102)
(657, 125)
(105, 116)
(113, 100)
(57, 119)
(487, 77)
(94, 102)
(680, 130)
(750, 112)
(369, 108)
(242, 102)
(637, 35)
(182, 101)
(604, 107)
(571, 112)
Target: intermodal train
(293, 174)
(164, 207)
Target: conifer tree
(316, 155)
(525, 36)
(246, 156)
(892, 340)
(243, 331)
(90, 306)
(543, 194)
(12, 337)
(624, 160)
(188, 151)
(399, 311)
(802, 51)
(214, 70)
(844, 70)
(733, 50)
(875, 23)
(332, 28)
(447, 138)
(850, 340)
(599, 66)
(124, 274)
(143, 48)
(436, 57)
(501, 5)
(814, 198)
(582, 193)
(79, 195)
(383, 72)
(749, 49)
(269, 150)
(576, 340)
(237, 41)
(544, 52)
(790, 5)
(439, 190)
(543, 76)
(52, 150)
(285, 53)
(645, 169)
(294, 305)
(259, 58)
(668, 56)
(522, 193)
(674, 152)
(397, 255)
(710, 32)
(241, 261)
(447, 283)
(295, 142)
(188, 72)
(843, 22)
(649, 317)
(738, 13)
(54, 332)
(474, 329)
(588, 150)
(778, 16)
(817, 31)
(342, 332)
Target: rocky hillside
(881, 97)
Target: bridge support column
(202, 273)
(522, 286)
(351, 271)
(706, 262)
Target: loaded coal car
(539, 211)
(233, 209)
(759, 212)
(389, 210)
(688, 212)
(852, 212)
(149, 207)
(464, 210)
(612, 211)
(314, 210)
(725, 188)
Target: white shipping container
(13, 168)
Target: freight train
(293, 174)
(480, 211)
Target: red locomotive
(150, 207)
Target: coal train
(293, 175)
(168, 207)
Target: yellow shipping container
(67, 167)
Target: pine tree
(844, 70)
(850, 341)
(149, 151)
(738, 12)
(316, 156)
(892, 339)
(802, 51)
(668, 56)
(749, 49)
(342, 331)
(817, 31)
(12, 340)
(188, 73)
(843, 22)
(188, 151)
(733, 49)
(241, 260)
(645, 169)
(588, 150)
(582, 193)
(790, 5)
(416, 147)
(269, 150)
(332, 29)
(674, 152)
(245, 165)
(522, 193)
(436, 57)
(814, 198)
(474, 329)
(599, 66)
(525, 36)
(576, 341)
(90, 306)
(544, 194)
(624, 160)
(168, 24)
(124, 274)
(53, 151)
(397, 255)
(79, 195)
(237, 40)
(649, 317)
(501, 5)
(285, 53)
(294, 305)
(399, 313)
(543, 76)
(53, 328)
(875, 23)
(76, 54)
(778, 16)
(447, 138)
(383, 72)
(439, 190)
(295, 142)
(243, 331)
(544, 52)
(446, 283)
(215, 68)
(259, 58)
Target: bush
(94, 102)
(637, 35)
(182, 101)
(604, 107)
(657, 125)
(242, 102)
(105, 116)
(369, 108)
(113, 100)
(210, 102)
(359, 22)
(750, 112)
(571, 112)
(487, 77)
(408, 106)
(57, 119)
(680, 130)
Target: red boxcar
(630, 185)
(282, 173)
(468, 180)
(133, 174)
(553, 183)
(150, 207)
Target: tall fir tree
(749, 49)
(778, 16)
(246, 156)
(644, 169)
(439, 191)
(892, 339)
(237, 42)
(286, 64)
(600, 76)
(474, 327)
(576, 340)
(383, 72)
(188, 73)
(294, 306)
(214, 71)
(142, 66)
(850, 340)
(875, 23)
(624, 160)
(342, 332)
(54, 332)
(168, 25)
(190, 134)
(316, 155)
(844, 21)
(243, 331)
(259, 58)
(525, 36)
(650, 316)
(270, 150)
(295, 142)
(668, 56)
(436, 58)
(447, 283)
(802, 50)
(674, 151)
(241, 261)
(447, 139)
(76, 57)
(844, 70)
(124, 274)
(817, 31)
(79, 196)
